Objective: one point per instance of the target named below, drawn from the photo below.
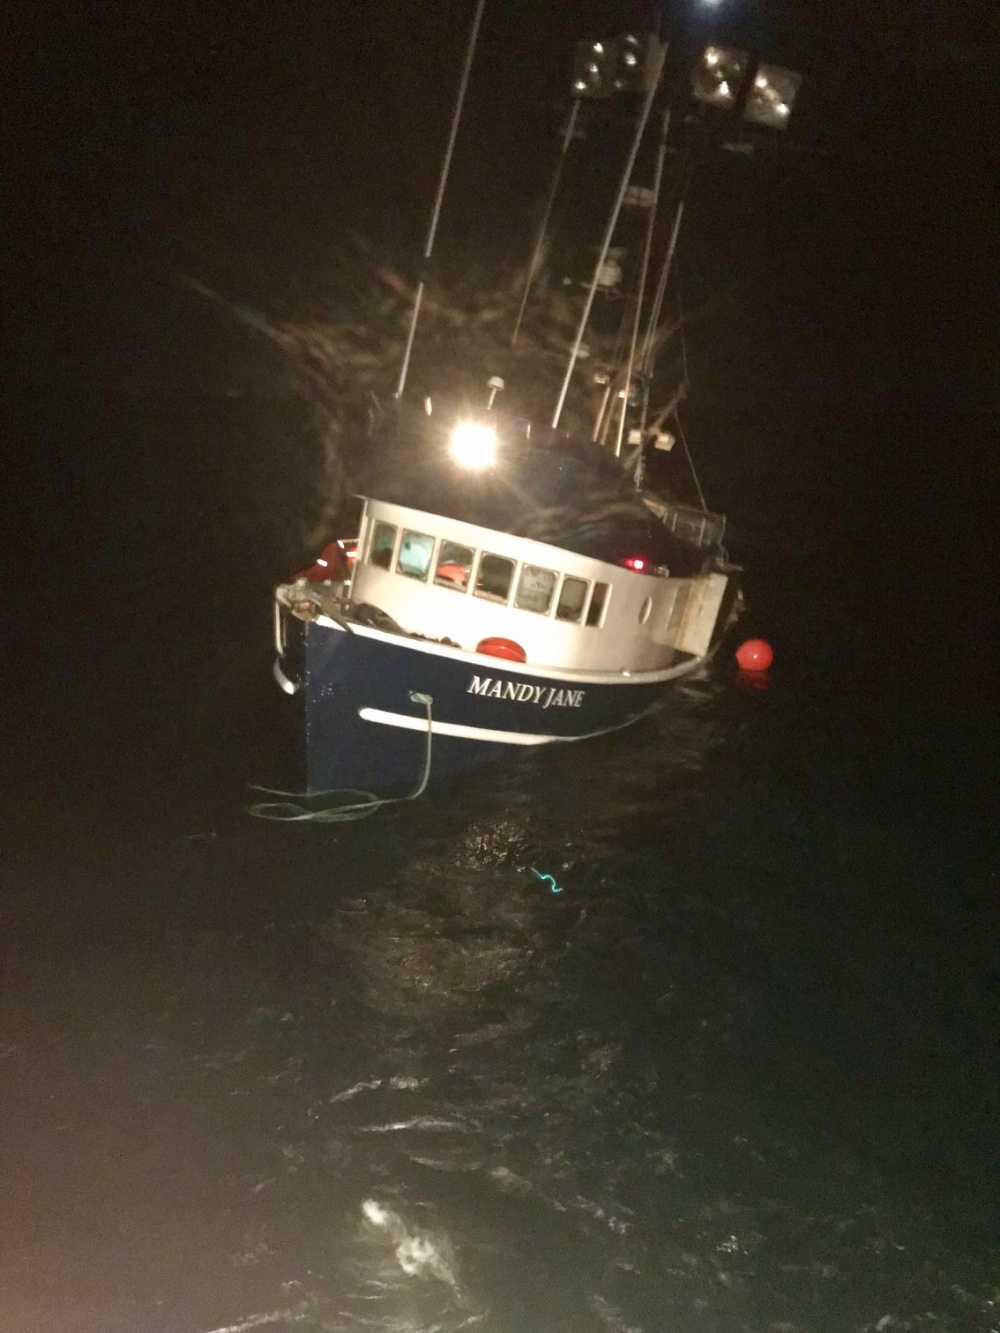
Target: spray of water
(419, 1253)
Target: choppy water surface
(736, 1076)
(740, 1075)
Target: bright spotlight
(474, 445)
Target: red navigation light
(635, 562)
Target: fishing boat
(511, 583)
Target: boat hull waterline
(365, 731)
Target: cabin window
(454, 566)
(415, 551)
(572, 596)
(383, 541)
(494, 577)
(535, 589)
(598, 601)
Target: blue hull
(363, 729)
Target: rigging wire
(685, 381)
(653, 326)
(687, 452)
(535, 263)
(470, 51)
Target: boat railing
(696, 526)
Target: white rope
(294, 809)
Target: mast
(658, 55)
(646, 358)
(442, 182)
(641, 293)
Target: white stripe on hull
(484, 734)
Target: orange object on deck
(507, 648)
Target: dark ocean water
(739, 1076)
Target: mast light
(473, 445)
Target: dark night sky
(142, 129)
(240, 143)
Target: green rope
(341, 810)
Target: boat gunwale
(622, 677)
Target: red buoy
(754, 655)
(498, 647)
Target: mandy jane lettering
(547, 696)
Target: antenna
(442, 182)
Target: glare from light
(718, 76)
(773, 96)
(375, 1212)
(474, 445)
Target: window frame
(376, 524)
(540, 569)
(602, 614)
(431, 562)
(489, 597)
(447, 583)
(579, 619)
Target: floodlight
(772, 96)
(474, 445)
(624, 64)
(592, 70)
(635, 64)
(718, 76)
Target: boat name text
(546, 695)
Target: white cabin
(445, 579)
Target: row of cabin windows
(493, 576)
